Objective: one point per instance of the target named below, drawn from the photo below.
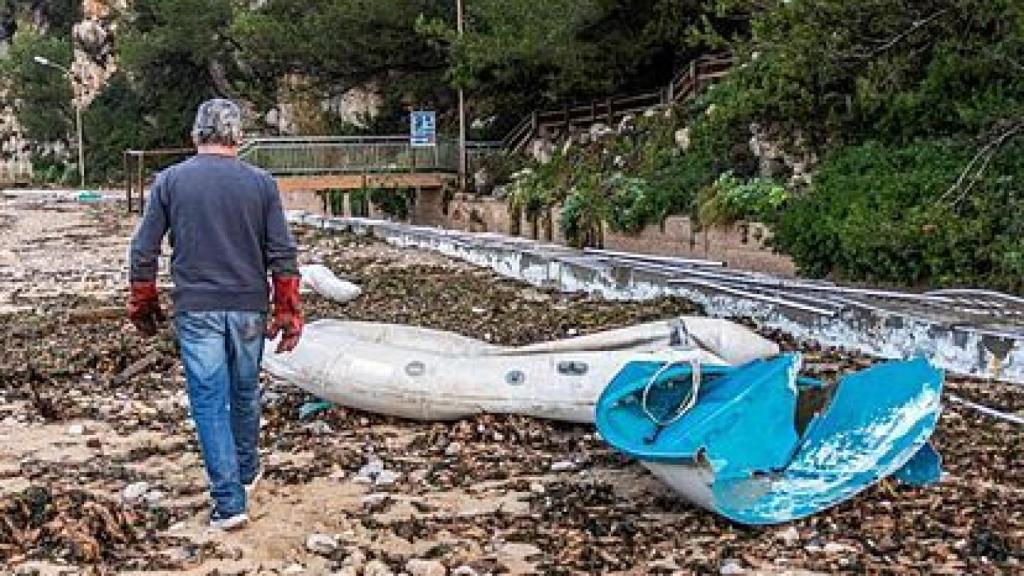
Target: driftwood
(87, 315)
(137, 367)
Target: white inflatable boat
(426, 374)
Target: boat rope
(992, 412)
(684, 406)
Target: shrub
(879, 213)
(394, 203)
(731, 199)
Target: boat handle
(684, 407)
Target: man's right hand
(144, 307)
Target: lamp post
(78, 114)
(462, 109)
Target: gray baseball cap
(218, 121)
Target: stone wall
(743, 245)
(308, 201)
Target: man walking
(227, 228)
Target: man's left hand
(287, 313)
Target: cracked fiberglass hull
(742, 453)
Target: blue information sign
(424, 129)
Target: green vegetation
(41, 96)
(905, 117)
(915, 110)
(731, 199)
(890, 214)
(393, 202)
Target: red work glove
(144, 307)
(287, 314)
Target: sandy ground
(99, 470)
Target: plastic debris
(323, 281)
(310, 409)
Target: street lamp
(78, 114)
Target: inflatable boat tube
(426, 374)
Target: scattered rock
(627, 124)
(790, 535)
(294, 569)
(376, 568)
(154, 497)
(732, 568)
(375, 473)
(682, 138)
(133, 492)
(76, 429)
(178, 554)
(387, 478)
(667, 564)
(599, 131)
(321, 544)
(563, 466)
(375, 501)
(837, 548)
(355, 559)
(464, 571)
(369, 472)
(319, 428)
(417, 567)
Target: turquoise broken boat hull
(738, 448)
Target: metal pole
(128, 182)
(462, 110)
(141, 183)
(78, 112)
(81, 146)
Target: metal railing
(322, 155)
(295, 156)
(139, 164)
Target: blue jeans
(221, 352)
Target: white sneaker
(230, 522)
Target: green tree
(842, 71)
(113, 124)
(40, 95)
(517, 55)
(54, 17)
(328, 47)
(175, 54)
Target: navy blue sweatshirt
(227, 229)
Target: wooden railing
(699, 74)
